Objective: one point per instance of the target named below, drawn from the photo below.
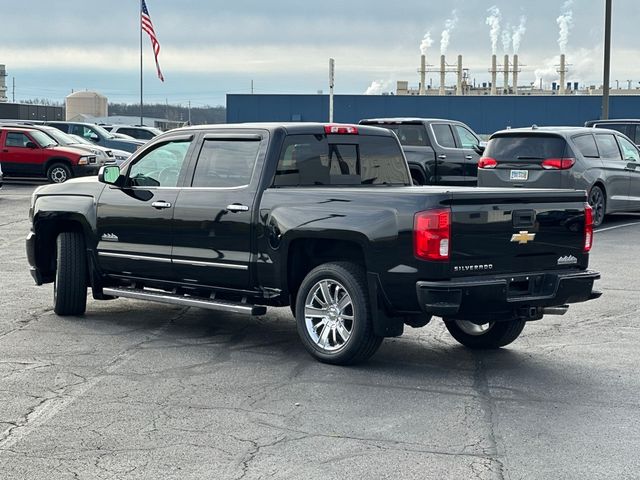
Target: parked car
(322, 218)
(1, 175)
(628, 127)
(25, 152)
(103, 155)
(97, 135)
(438, 151)
(605, 163)
(119, 156)
(140, 133)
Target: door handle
(6, 150)
(469, 157)
(161, 204)
(442, 157)
(236, 207)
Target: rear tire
(488, 336)
(598, 202)
(70, 284)
(333, 314)
(58, 173)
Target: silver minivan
(603, 162)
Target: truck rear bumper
(502, 296)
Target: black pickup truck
(320, 217)
(439, 151)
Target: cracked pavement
(136, 390)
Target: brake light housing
(432, 235)
(588, 228)
(341, 130)
(564, 163)
(487, 162)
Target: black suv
(629, 127)
(439, 152)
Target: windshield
(42, 139)
(79, 139)
(102, 132)
(60, 137)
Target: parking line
(617, 226)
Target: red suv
(26, 152)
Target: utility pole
(189, 112)
(14, 89)
(607, 60)
(251, 87)
(332, 66)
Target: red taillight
(588, 227)
(487, 162)
(558, 163)
(432, 234)
(341, 129)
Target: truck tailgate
(496, 231)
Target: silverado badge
(109, 237)
(523, 237)
(567, 260)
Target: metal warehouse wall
(20, 111)
(484, 114)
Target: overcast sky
(210, 47)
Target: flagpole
(140, 22)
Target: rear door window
(618, 127)
(444, 135)
(586, 145)
(226, 163)
(525, 148)
(608, 147)
(308, 160)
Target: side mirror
(480, 148)
(31, 145)
(109, 174)
(94, 137)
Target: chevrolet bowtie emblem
(523, 237)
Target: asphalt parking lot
(138, 390)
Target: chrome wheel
(474, 329)
(329, 315)
(597, 201)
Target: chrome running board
(174, 299)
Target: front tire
(58, 173)
(333, 314)
(487, 336)
(70, 284)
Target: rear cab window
(527, 147)
(313, 160)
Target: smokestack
(459, 85)
(494, 74)
(423, 73)
(443, 66)
(562, 72)
(515, 74)
(506, 74)
(3, 84)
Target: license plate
(519, 175)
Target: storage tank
(86, 103)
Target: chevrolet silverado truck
(321, 218)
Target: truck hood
(69, 150)
(87, 186)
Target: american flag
(147, 26)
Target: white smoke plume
(426, 43)
(518, 33)
(493, 20)
(449, 26)
(506, 39)
(565, 23)
(378, 87)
